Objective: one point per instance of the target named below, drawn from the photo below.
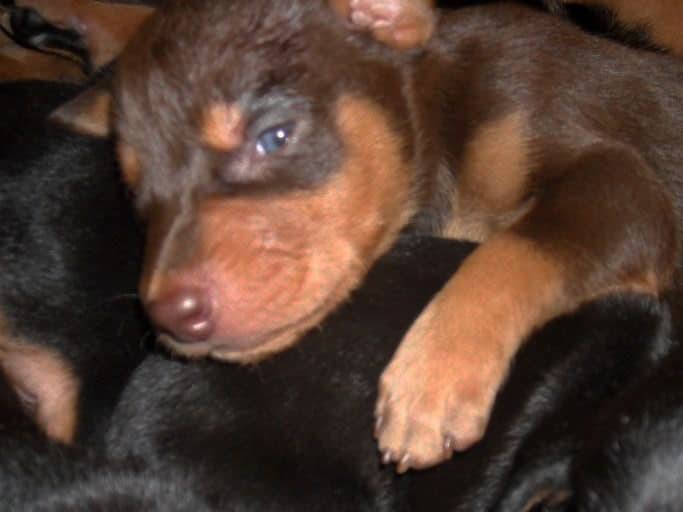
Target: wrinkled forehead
(202, 51)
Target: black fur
(70, 249)
(295, 432)
(632, 460)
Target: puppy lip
(231, 351)
(226, 350)
(192, 350)
(257, 347)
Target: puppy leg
(606, 224)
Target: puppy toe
(411, 439)
(399, 23)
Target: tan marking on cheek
(45, 376)
(492, 182)
(130, 164)
(376, 184)
(223, 127)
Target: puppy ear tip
(88, 113)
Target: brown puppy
(276, 158)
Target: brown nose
(186, 314)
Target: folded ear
(401, 24)
(87, 113)
(46, 385)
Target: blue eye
(274, 139)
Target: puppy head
(269, 150)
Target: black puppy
(628, 336)
(633, 461)
(70, 327)
(295, 432)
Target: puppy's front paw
(402, 24)
(436, 395)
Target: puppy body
(290, 149)
(37, 474)
(631, 460)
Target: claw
(378, 426)
(448, 446)
(404, 464)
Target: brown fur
(479, 131)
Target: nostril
(186, 314)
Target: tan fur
(222, 127)
(456, 355)
(46, 376)
(129, 163)
(493, 179)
